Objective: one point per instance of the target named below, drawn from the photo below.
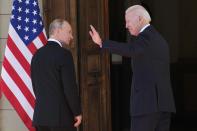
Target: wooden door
(92, 65)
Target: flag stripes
(26, 34)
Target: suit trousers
(159, 121)
(47, 128)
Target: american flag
(26, 34)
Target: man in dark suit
(57, 105)
(151, 97)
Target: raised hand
(95, 36)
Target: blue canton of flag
(26, 19)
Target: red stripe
(19, 82)
(43, 38)
(16, 104)
(32, 48)
(19, 56)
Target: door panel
(94, 67)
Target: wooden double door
(92, 66)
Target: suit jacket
(151, 88)
(54, 85)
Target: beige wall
(9, 120)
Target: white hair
(139, 10)
(56, 24)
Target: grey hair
(140, 10)
(56, 24)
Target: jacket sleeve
(134, 48)
(69, 84)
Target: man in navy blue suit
(152, 99)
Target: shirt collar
(54, 40)
(144, 28)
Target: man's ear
(55, 33)
(140, 19)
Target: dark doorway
(120, 69)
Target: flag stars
(34, 3)
(19, 9)
(34, 30)
(34, 21)
(34, 12)
(41, 23)
(19, 27)
(26, 20)
(19, 18)
(26, 37)
(12, 17)
(27, 2)
(26, 11)
(26, 29)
